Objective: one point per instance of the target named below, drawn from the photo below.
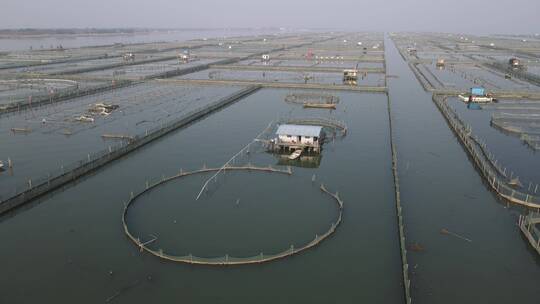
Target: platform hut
(128, 57)
(515, 64)
(440, 63)
(298, 137)
(350, 76)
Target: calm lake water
(71, 247)
(441, 189)
(75, 238)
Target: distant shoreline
(46, 35)
(37, 33)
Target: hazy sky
(474, 16)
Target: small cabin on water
(128, 57)
(350, 75)
(183, 58)
(299, 137)
(440, 62)
(514, 62)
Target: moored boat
(295, 154)
(84, 118)
(473, 98)
(320, 105)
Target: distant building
(515, 63)
(350, 75)
(478, 95)
(440, 62)
(128, 57)
(183, 58)
(478, 91)
(411, 50)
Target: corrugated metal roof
(296, 130)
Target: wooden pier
(527, 225)
(117, 136)
(279, 85)
(293, 68)
(399, 209)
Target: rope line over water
(401, 225)
(245, 148)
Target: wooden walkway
(399, 208)
(292, 68)
(346, 58)
(279, 85)
(527, 226)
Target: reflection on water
(304, 161)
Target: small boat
(1, 165)
(473, 98)
(84, 118)
(320, 105)
(21, 130)
(102, 108)
(463, 98)
(108, 107)
(295, 154)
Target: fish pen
(518, 73)
(67, 174)
(70, 119)
(485, 166)
(17, 90)
(518, 122)
(144, 105)
(226, 259)
(56, 96)
(109, 78)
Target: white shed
(350, 75)
(299, 136)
